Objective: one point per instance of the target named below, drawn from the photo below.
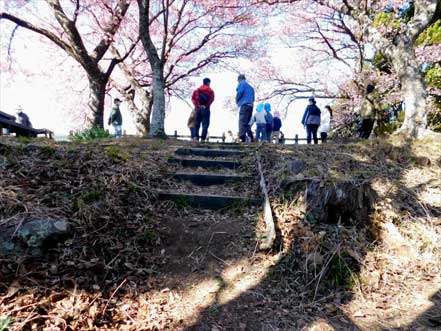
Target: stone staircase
(218, 177)
(203, 167)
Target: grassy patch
(47, 151)
(342, 271)
(4, 322)
(90, 134)
(86, 198)
(24, 140)
(116, 154)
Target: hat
(311, 99)
(206, 81)
(276, 114)
(267, 107)
(241, 77)
(259, 107)
(116, 100)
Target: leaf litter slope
(133, 264)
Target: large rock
(33, 237)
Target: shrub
(91, 134)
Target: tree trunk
(157, 66)
(143, 115)
(146, 115)
(158, 111)
(414, 92)
(97, 92)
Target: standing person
(325, 124)
(190, 123)
(259, 118)
(369, 108)
(277, 125)
(311, 120)
(244, 100)
(115, 118)
(202, 99)
(269, 121)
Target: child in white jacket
(325, 124)
(259, 119)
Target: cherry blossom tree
(396, 42)
(84, 29)
(186, 37)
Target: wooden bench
(8, 122)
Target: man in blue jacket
(244, 100)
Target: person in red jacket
(202, 99)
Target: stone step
(221, 146)
(211, 179)
(205, 163)
(209, 152)
(207, 201)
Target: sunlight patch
(431, 196)
(241, 277)
(319, 325)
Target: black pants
(311, 129)
(245, 113)
(366, 128)
(324, 137)
(202, 116)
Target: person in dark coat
(277, 125)
(22, 118)
(311, 120)
(115, 118)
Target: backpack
(269, 118)
(203, 99)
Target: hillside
(358, 243)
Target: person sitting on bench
(22, 118)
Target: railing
(223, 138)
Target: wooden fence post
(223, 137)
(176, 134)
(296, 139)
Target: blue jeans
(311, 129)
(118, 130)
(269, 130)
(261, 132)
(202, 117)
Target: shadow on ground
(130, 260)
(333, 218)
